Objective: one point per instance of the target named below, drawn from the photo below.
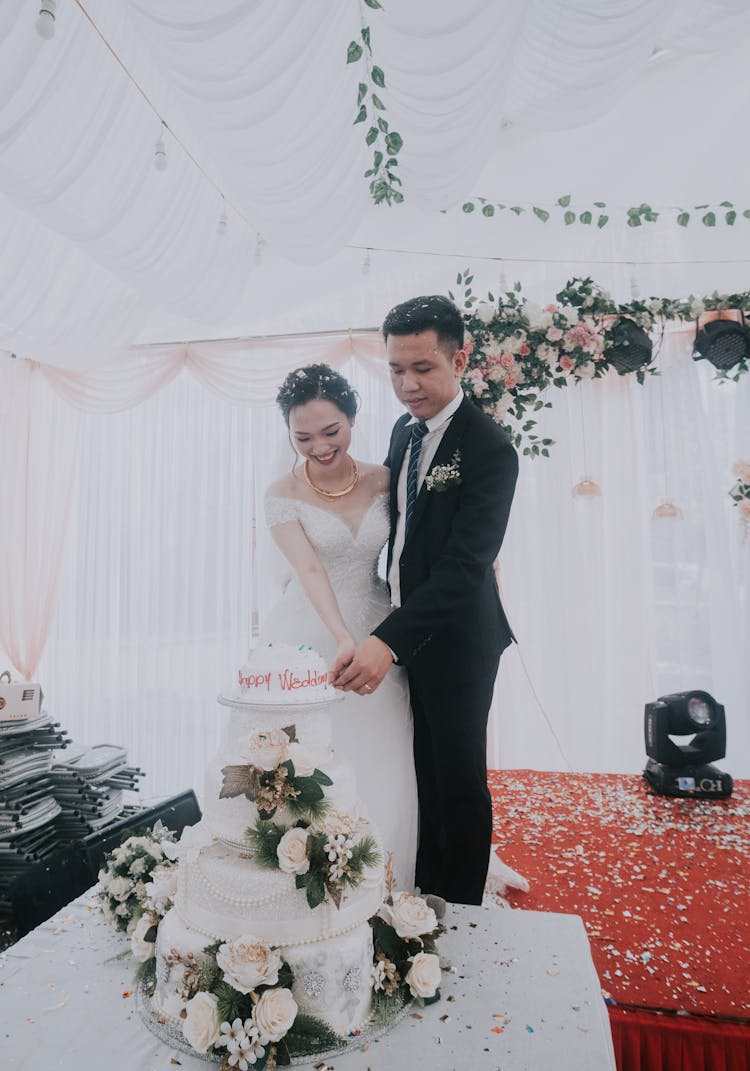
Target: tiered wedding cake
(278, 776)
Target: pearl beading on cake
(239, 901)
(251, 937)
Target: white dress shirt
(436, 426)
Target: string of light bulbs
(45, 26)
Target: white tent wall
(611, 607)
(519, 103)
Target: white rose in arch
(423, 977)
(292, 851)
(246, 964)
(586, 370)
(304, 762)
(141, 948)
(485, 312)
(268, 749)
(274, 1014)
(409, 916)
(201, 1024)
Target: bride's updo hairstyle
(314, 382)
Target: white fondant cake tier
(281, 674)
(223, 895)
(331, 975)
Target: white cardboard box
(19, 701)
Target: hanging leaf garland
(725, 213)
(385, 143)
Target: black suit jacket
(451, 620)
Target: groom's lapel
(443, 454)
(397, 461)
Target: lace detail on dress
(280, 510)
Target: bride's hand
(344, 655)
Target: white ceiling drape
(490, 99)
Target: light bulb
(45, 22)
(160, 155)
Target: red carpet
(663, 888)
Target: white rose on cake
(268, 749)
(423, 977)
(303, 760)
(142, 949)
(247, 965)
(292, 851)
(409, 916)
(201, 1025)
(274, 1014)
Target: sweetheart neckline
(329, 513)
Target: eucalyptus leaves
(386, 143)
(600, 213)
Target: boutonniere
(444, 476)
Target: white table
(64, 1003)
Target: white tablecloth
(527, 998)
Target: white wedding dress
(373, 732)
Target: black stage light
(675, 769)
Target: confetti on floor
(660, 882)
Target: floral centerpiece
(407, 963)
(279, 772)
(325, 857)
(138, 886)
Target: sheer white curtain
(611, 608)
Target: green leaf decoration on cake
(334, 892)
(365, 855)
(240, 781)
(232, 1005)
(389, 942)
(145, 974)
(310, 1035)
(264, 838)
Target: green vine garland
(386, 143)
(725, 212)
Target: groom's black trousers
(455, 806)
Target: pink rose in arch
(566, 363)
(551, 308)
(507, 360)
(509, 381)
(554, 334)
(469, 347)
(523, 350)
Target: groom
(453, 473)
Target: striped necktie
(418, 433)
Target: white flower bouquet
(138, 884)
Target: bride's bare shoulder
(377, 476)
(287, 486)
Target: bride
(329, 517)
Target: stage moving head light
(682, 769)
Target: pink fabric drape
(39, 442)
(38, 454)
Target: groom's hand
(372, 660)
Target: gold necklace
(334, 494)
